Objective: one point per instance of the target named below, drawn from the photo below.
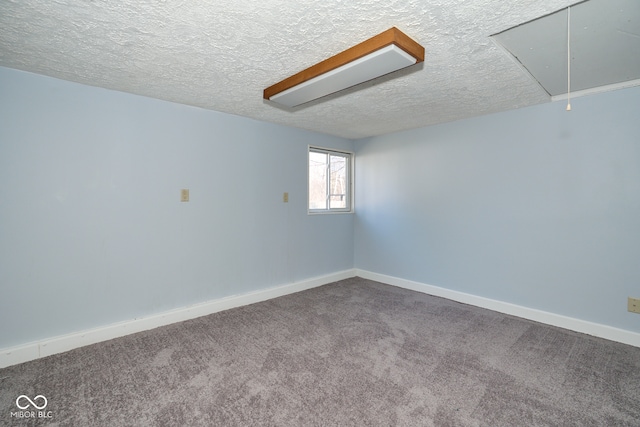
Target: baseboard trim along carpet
(37, 349)
(60, 344)
(576, 325)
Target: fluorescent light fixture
(385, 53)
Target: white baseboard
(59, 344)
(577, 325)
(62, 343)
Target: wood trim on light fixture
(386, 38)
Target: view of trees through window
(328, 180)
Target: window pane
(318, 180)
(338, 182)
(329, 181)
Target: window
(329, 180)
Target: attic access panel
(605, 45)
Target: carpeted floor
(354, 352)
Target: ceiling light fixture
(385, 53)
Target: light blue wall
(91, 227)
(537, 207)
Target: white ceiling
(221, 54)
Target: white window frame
(350, 177)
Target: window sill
(329, 212)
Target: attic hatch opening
(605, 47)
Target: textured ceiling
(221, 54)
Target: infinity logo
(22, 396)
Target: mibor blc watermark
(31, 408)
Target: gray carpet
(354, 352)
